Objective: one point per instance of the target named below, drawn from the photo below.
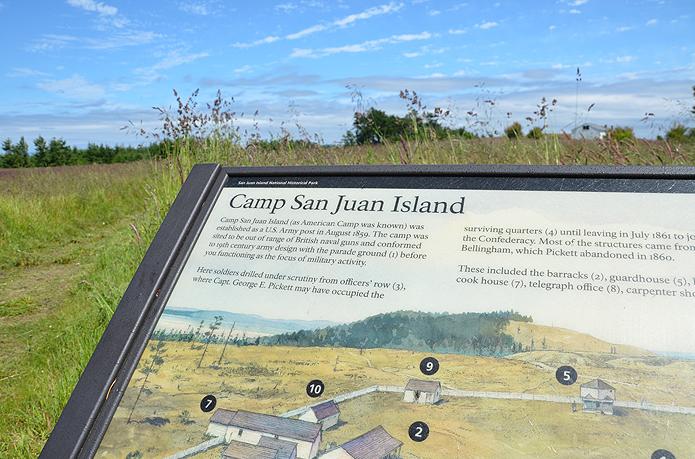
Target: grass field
(71, 237)
(273, 379)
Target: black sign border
(87, 414)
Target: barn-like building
(251, 428)
(327, 414)
(419, 391)
(375, 444)
(597, 396)
(589, 131)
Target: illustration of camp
(597, 396)
(327, 414)
(375, 444)
(251, 428)
(419, 391)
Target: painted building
(285, 449)
(250, 428)
(597, 396)
(375, 444)
(419, 391)
(589, 131)
(327, 414)
(239, 450)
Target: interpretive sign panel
(430, 313)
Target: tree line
(56, 152)
(467, 333)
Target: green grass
(71, 238)
(17, 307)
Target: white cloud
(285, 7)
(262, 41)
(338, 23)
(457, 6)
(575, 11)
(198, 8)
(175, 58)
(308, 31)
(49, 42)
(652, 22)
(578, 2)
(75, 87)
(117, 39)
(369, 45)
(19, 72)
(243, 69)
(625, 59)
(487, 25)
(123, 39)
(434, 65)
(95, 7)
(457, 31)
(434, 12)
(368, 13)
(147, 75)
(552, 27)
(624, 29)
(425, 50)
(107, 15)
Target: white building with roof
(251, 428)
(375, 444)
(419, 391)
(327, 414)
(589, 131)
(597, 396)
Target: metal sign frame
(94, 399)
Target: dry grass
(543, 337)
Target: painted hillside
(546, 338)
(467, 333)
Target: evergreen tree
(209, 335)
(6, 148)
(58, 152)
(147, 368)
(41, 152)
(16, 155)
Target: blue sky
(81, 69)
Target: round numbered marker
(208, 403)
(429, 366)
(663, 454)
(566, 375)
(315, 388)
(418, 431)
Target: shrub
(621, 133)
(514, 131)
(680, 133)
(535, 133)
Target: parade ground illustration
(404, 384)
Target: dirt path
(30, 294)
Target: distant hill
(468, 333)
(249, 322)
(542, 337)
